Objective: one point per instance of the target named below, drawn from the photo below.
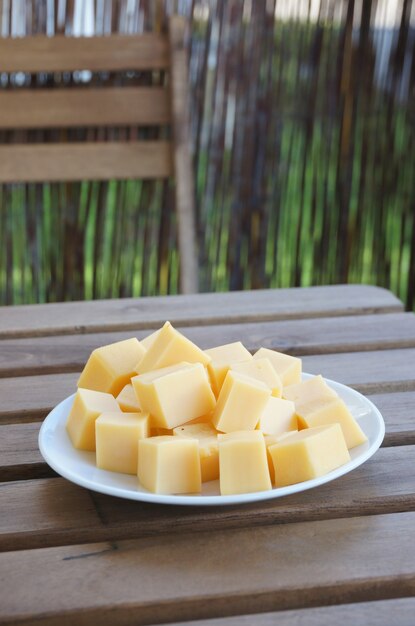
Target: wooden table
(343, 553)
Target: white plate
(79, 467)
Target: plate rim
(213, 500)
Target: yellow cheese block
(206, 435)
(110, 368)
(117, 438)
(312, 389)
(243, 462)
(287, 367)
(269, 441)
(174, 395)
(168, 348)
(261, 369)
(149, 340)
(308, 454)
(330, 411)
(222, 358)
(87, 407)
(169, 465)
(241, 403)
(128, 400)
(278, 417)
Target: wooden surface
(64, 108)
(381, 613)
(62, 54)
(343, 553)
(82, 161)
(59, 353)
(195, 310)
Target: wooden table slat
(380, 613)
(197, 309)
(20, 457)
(61, 353)
(180, 576)
(380, 371)
(52, 511)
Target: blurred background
(302, 124)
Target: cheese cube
(206, 435)
(312, 389)
(110, 368)
(87, 407)
(278, 417)
(128, 400)
(169, 465)
(261, 369)
(174, 395)
(330, 411)
(149, 340)
(241, 403)
(222, 358)
(308, 454)
(287, 367)
(243, 463)
(168, 348)
(269, 441)
(117, 438)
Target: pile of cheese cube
(178, 416)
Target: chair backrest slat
(60, 54)
(85, 161)
(72, 107)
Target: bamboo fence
(302, 118)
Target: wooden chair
(104, 106)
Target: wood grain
(184, 188)
(105, 106)
(380, 613)
(62, 54)
(84, 161)
(398, 410)
(19, 453)
(193, 310)
(61, 353)
(32, 397)
(201, 575)
(379, 371)
(20, 458)
(38, 513)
